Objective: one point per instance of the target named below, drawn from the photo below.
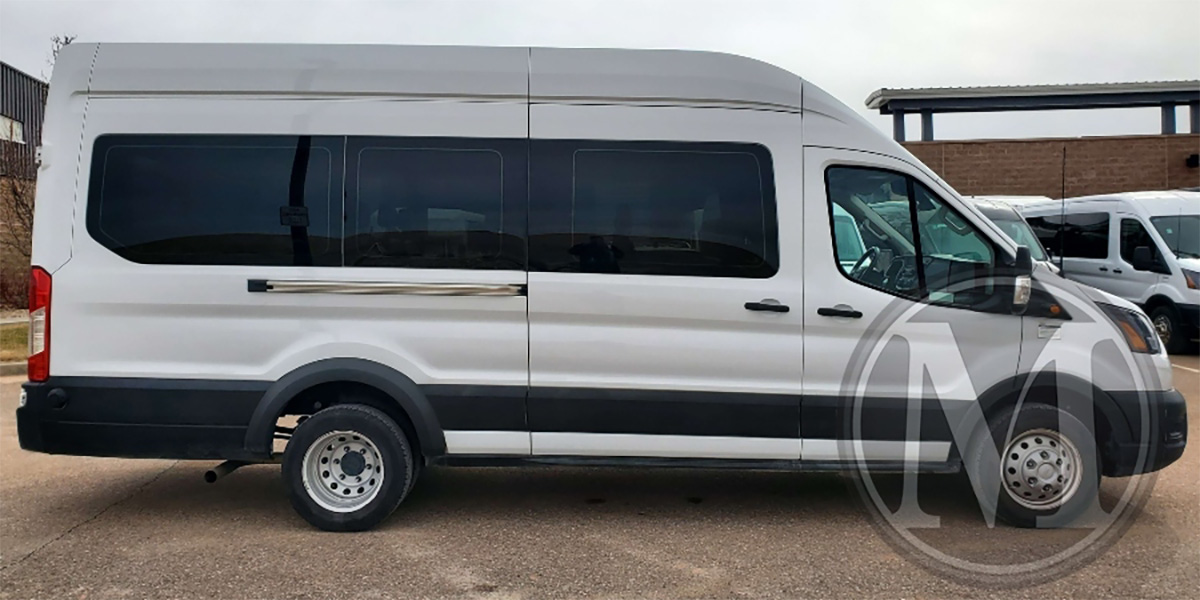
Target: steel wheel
(1162, 324)
(1041, 469)
(342, 471)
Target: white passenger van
(496, 256)
(1002, 212)
(1141, 246)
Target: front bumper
(1164, 432)
(1189, 317)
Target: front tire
(1170, 329)
(347, 468)
(1049, 470)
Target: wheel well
(1157, 301)
(1103, 414)
(331, 393)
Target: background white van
(458, 255)
(1002, 211)
(1141, 246)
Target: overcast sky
(849, 47)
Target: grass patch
(14, 342)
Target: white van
(496, 256)
(1141, 246)
(1002, 211)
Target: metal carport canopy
(927, 101)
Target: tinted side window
(1085, 235)
(1134, 235)
(220, 200)
(651, 208)
(1048, 231)
(436, 203)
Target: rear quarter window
(217, 200)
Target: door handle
(839, 312)
(1105, 269)
(1117, 271)
(768, 307)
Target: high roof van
(1141, 246)
(366, 260)
(1002, 211)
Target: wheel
(1049, 470)
(347, 468)
(1170, 330)
(417, 469)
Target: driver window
(941, 258)
(873, 229)
(1134, 236)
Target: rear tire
(1049, 469)
(347, 468)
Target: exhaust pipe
(223, 469)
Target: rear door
(665, 282)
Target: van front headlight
(1136, 328)
(1192, 278)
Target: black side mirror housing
(1023, 262)
(1145, 260)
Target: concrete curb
(12, 368)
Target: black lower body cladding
(138, 418)
(210, 419)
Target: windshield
(1023, 235)
(1181, 233)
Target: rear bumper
(138, 418)
(1165, 432)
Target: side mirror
(1023, 282)
(1145, 260)
(1023, 262)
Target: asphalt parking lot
(107, 528)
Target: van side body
(516, 255)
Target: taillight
(39, 324)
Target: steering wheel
(902, 274)
(864, 262)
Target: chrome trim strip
(385, 287)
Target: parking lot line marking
(1185, 368)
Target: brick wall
(1035, 167)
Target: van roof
(550, 74)
(1152, 203)
(584, 76)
